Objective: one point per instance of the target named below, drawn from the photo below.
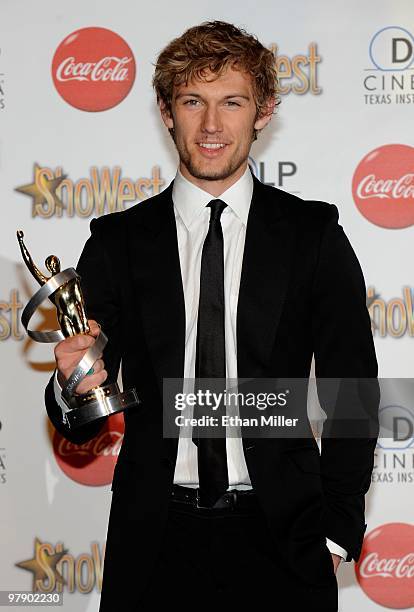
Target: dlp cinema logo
(390, 78)
(392, 49)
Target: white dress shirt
(192, 218)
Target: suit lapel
(263, 283)
(264, 279)
(158, 285)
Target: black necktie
(211, 359)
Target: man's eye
(232, 103)
(191, 102)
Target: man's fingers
(73, 344)
(70, 351)
(98, 378)
(67, 364)
(94, 328)
(98, 366)
(80, 342)
(71, 360)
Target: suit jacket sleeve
(99, 287)
(346, 373)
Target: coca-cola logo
(106, 69)
(385, 570)
(93, 462)
(93, 69)
(383, 186)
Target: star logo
(41, 189)
(43, 565)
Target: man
(222, 276)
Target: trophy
(64, 291)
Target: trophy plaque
(64, 291)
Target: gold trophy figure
(68, 299)
(64, 290)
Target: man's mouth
(212, 145)
(211, 150)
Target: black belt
(230, 500)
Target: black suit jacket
(301, 293)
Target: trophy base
(99, 402)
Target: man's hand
(69, 352)
(336, 560)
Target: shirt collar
(189, 200)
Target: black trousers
(224, 559)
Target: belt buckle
(230, 495)
(198, 505)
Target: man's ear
(166, 115)
(266, 114)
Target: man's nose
(211, 122)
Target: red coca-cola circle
(385, 570)
(93, 69)
(91, 463)
(383, 186)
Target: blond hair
(215, 46)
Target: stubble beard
(233, 164)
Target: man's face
(213, 123)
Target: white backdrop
(55, 498)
